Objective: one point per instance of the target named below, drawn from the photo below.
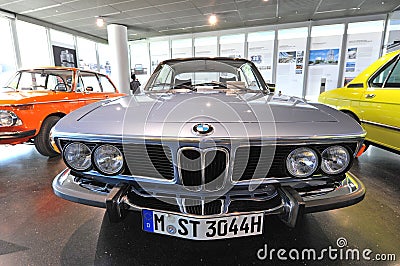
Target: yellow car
(373, 99)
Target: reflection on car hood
(216, 107)
(233, 116)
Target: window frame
(394, 60)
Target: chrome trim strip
(381, 125)
(278, 141)
(60, 101)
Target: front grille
(203, 169)
(149, 160)
(268, 161)
(199, 207)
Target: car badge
(203, 129)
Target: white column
(118, 42)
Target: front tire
(42, 140)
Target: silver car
(206, 151)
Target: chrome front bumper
(17, 134)
(293, 204)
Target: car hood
(20, 97)
(216, 107)
(249, 115)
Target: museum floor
(38, 228)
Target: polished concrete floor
(38, 228)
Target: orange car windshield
(42, 80)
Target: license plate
(202, 228)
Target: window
(205, 46)
(104, 58)
(232, 46)
(41, 80)
(394, 78)
(106, 84)
(87, 54)
(159, 51)
(7, 57)
(182, 48)
(33, 45)
(89, 82)
(378, 81)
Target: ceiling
(148, 18)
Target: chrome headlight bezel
(15, 121)
(87, 160)
(290, 166)
(345, 166)
(113, 153)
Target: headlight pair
(303, 162)
(107, 159)
(8, 119)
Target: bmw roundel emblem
(203, 129)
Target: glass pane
(362, 48)
(260, 52)
(290, 69)
(182, 48)
(7, 57)
(159, 51)
(140, 61)
(106, 84)
(323, 61)
(104, 58)
(62, 38)
(90, 82)
(382, 76)
(232, 46)
(393, 29)
(33, 45)
(394, 78)
(87, 54)
(205, 47)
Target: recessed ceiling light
(212, 19)
(100, 22)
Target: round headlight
(335, 160)
(108, 159)
(302, 162)
(7, 118)
(77, 156)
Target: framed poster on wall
(65, 57)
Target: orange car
(35, 99)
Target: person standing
(135, 84)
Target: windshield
(206, 75)
(41, 79)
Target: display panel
(323, 60)
(362, 48)
(290, 69)
(260, 52)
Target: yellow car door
(380, 106)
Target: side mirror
(271, 87)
